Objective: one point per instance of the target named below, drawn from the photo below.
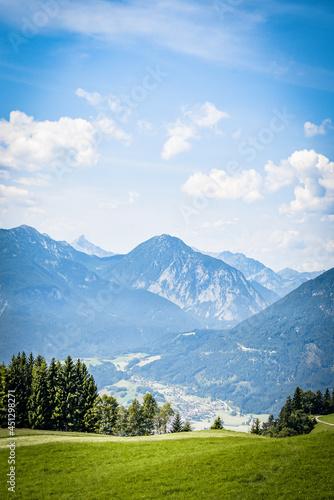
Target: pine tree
(91, 398)
(38, 401)
(285, 413)
(327, 402)
(57, 417)
(52, 381)
(19, 381)
(297, 399)
(217, 424)
(79, 410)
(69, 394)
(319, 403)
(255, 428)
(149, 412)
(177, 425)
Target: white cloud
(218, 223)
(93, 98)
(311, 129)
(278, 177)
(32, 145)
(188, 127)
(13, 194)
(205, 115)
(111, 130)
(105, 104)
(314, 175)
(195, 30)
(40, 181)
(35, 211)
(245, 185)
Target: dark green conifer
(38, 401)
(297, 399)
(177, 425)
(217, 424)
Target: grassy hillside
(207, 464)
(328, 418)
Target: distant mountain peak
(207, 288)
(83, 245)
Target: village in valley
(201, 412)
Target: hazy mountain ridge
(280, 283)
(51, 302)
(262, 359)
(207, 288)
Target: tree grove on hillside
(64, 397)
(296, 416)
(56, 397)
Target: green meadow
(197, 465)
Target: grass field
(328, 418)
(200, 465)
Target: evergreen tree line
(297, 415)
(64, 397)
(57, 396)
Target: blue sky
(211, 121)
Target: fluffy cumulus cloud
(30, 145)
(245, 185)
(311, 129)
(313, 177)
(189, 127)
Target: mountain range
(261, 360)
(219, 329)
(279, 284)
(207, 289)
(52, 301)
